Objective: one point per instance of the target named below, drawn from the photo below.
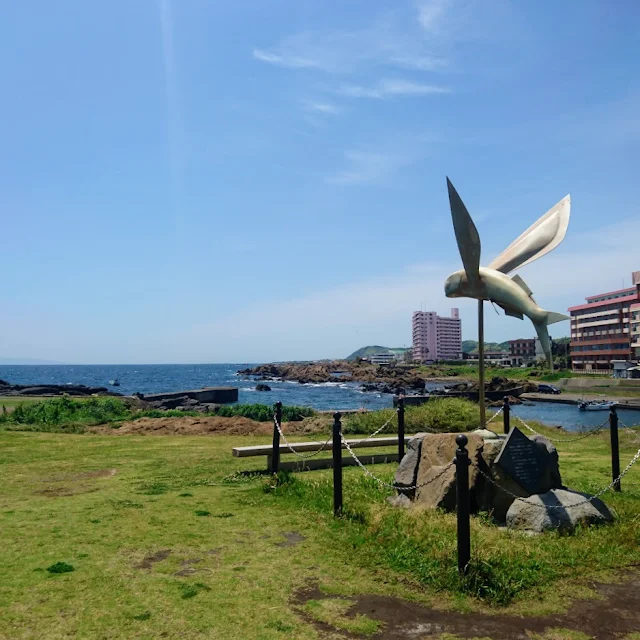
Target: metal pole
(506, 414)
(400, 428)
(275, 451)
(462, 503)
(483, 414)
(337, 465)
(615, 449)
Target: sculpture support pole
(483, 415)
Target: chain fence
(302, 456)
(445, 469)
(602, 491)
(588, 434)
(382, 428)
(391, 485)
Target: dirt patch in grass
(99, 473)
(85, 475)
(612, 616)
(291, 539)
(151, 559)
(63, 492)
(198, 426)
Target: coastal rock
(407, 473)
(263, 387)
(54, 390)
(561, 509)
(436, 453)
(492, 489)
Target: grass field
(146, 537)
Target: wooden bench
(322, 463)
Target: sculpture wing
(466, 235)
(541, 237)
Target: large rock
(407, 473)
(557, 509)
(437, 452)
(428, 454)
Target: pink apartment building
(435, 337)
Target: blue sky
(196, 181)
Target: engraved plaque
(522, 460)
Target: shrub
(68, 411)
(264, 412)
(442, 415)
(60, 567)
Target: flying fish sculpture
(492, 282)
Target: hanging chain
(388, 484)
(302, 456)
(495, 415)
(377, 431)
(569, 506)
(582, 437)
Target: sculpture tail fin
(553, 317)
(548, 317)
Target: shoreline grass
(72, 415)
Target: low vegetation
(70, 415)
(442, 415)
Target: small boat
(114, 383)
(595, 405)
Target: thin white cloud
(420, 63)
(431, 13)
(369, 167)
(395, 87)
(291, 61)
(322, 107)
(385, 42)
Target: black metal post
(615, 449)
(275, 452)
(506, 414)
(337, 465)
(400, 428)
(462, 503)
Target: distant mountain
(471, 346)
(373, 349)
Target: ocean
(150, 378)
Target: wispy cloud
(322, 107)
(431, 13)
(384, 42)
(420, 63)
(386, 88)
(369, 167)
(285, 60)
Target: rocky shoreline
(77, 390)
(403, 379)
(374, 378)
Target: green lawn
(162, 545)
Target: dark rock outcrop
(79, 390)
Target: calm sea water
(329, 396)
